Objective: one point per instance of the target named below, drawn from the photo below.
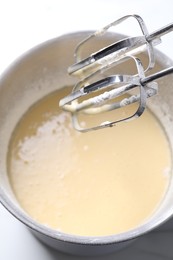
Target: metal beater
(114, 86)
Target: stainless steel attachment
(138, 87)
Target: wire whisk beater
(113, 91)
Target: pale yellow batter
(97, 183)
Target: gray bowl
(34, 75)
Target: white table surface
(24, 24)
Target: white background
(24, 24)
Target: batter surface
(97, 183)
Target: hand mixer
(113, 86)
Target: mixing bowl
(39, 72)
